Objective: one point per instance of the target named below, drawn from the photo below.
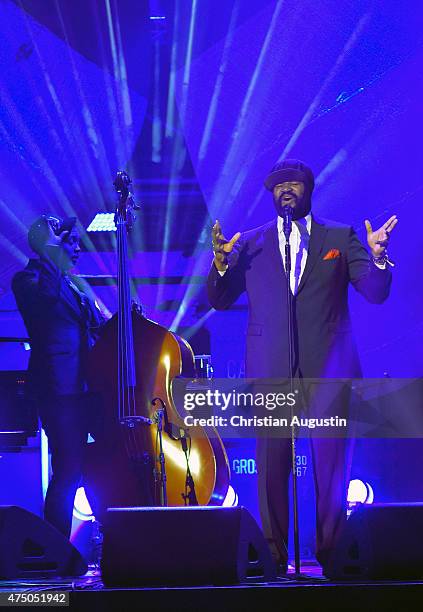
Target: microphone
(287, 213)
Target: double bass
(136, 458)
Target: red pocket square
(332, 254)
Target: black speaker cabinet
(183, 546)
(381, 542)
(30, 547)
(17, 412)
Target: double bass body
(134, 361)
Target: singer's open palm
(222, 246)
(378, 239)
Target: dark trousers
(331, 459)
(67, 420)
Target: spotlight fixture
(102, 222)
(82, 509)
(359, 492)
(231, 498)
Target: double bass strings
(126, 395)
(129, 333)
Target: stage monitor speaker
(195, 545)
(380, 542)
(31, 547)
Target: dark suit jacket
(323, 336)
(61, 327)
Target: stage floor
(315, 593)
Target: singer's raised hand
(221, 246)
(378, 239)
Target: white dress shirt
(299, 241)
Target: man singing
(62, 322)
(326, 257)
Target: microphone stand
(158, 419)
(287, 212)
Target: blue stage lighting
(156, 10)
